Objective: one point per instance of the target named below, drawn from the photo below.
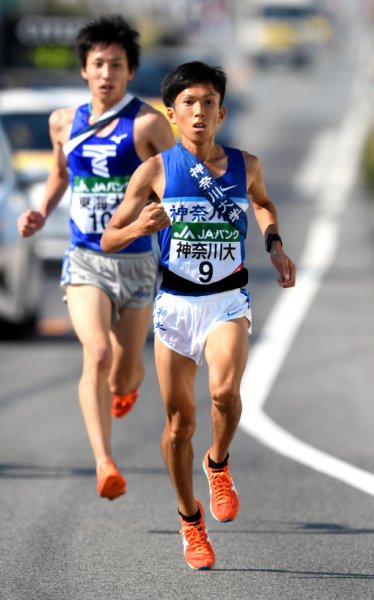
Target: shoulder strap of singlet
(118, 110)
(207, 186)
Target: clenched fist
(29, 222)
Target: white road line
(315, 168)
(283, 323)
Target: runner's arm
(152, 132)
(264, 209)
(161, 133)
(136, 216)
(267, 219)
(31, 221)
(58, 179)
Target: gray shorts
(128, 279)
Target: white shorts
(183, 323)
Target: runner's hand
(153, 218)
(29, 222)
(285, 267)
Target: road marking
(316, 166)
(289, 311)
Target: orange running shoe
(121, 405)
(224, 501)
(110, 483)
(197, 548)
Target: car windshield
(27, 131)
(153, 69)
(148, 78)
(286, 12)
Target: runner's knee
(180, 428)
(226, 399)
(98, 357)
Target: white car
(20, 267)
(283, 31)
(24, 115)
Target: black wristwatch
(270, 238)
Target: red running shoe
(197, 548)
(110, 483)
(224, 501)
(121, 405)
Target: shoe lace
(196, 536)
(221, 486)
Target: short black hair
(188, 74)
(113, 29)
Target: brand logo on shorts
(141, 294)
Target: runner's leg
(90, 312)
(128, 337)
(176, 375)
(226, 353)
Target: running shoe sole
(110, 483)
(121, 405)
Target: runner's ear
(83, 73)
(222, 114)
(170, 114)
(131, 74)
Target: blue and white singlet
(99, 171)
(200, 246)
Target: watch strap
(270, 238)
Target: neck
(207, 152)
(93, 114)
(96, 108)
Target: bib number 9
(206, 271)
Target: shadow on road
(25, 471)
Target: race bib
(94, 200)
(204, 252)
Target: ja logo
(185, 234)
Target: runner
(109, 298)
(203, 307)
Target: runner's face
(197, 113)
(107, 73)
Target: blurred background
(301, 97)
(271, 51)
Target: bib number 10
(99, 221)
(206, 271)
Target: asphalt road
(300, 533)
